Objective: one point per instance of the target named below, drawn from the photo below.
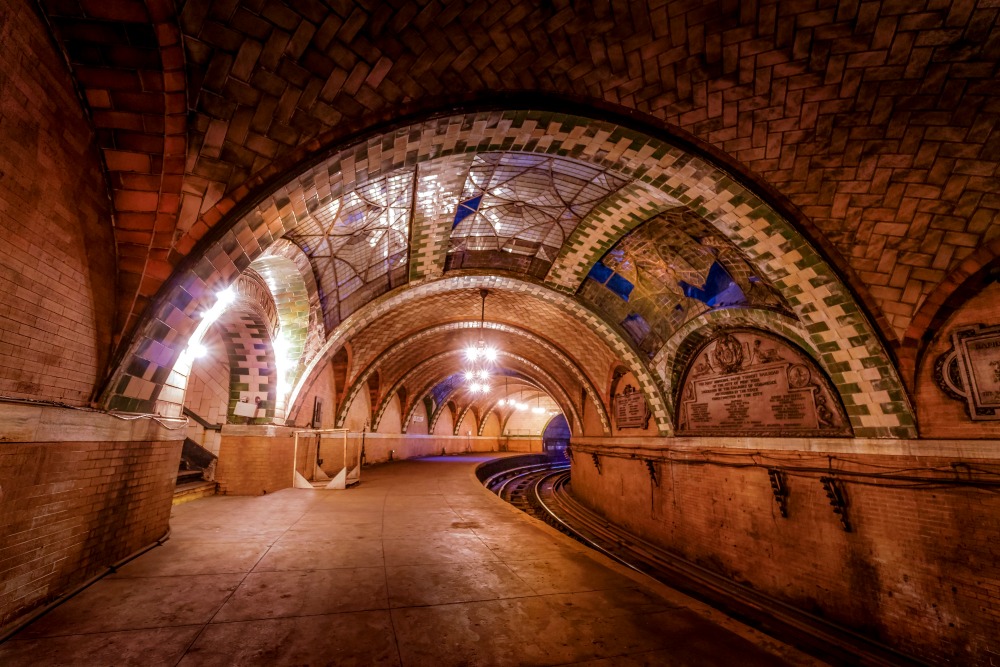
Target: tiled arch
(837, 325)
(545, 379)
(557, 354)
(483, 404)
(461, 418)
(290, 279)
(679, 351)
(614, 339)
(492, 406)
(445, 400)
(960, 284)
(252, 367)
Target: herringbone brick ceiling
(873, 124)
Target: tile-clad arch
(252, 367)
(589, 322)
(436, 367)
(490, 404)
(772, 244)
(421, 337)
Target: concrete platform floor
(419, 565)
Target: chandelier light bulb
(469, 376)
(490, 354)
(483, 374)
(471, 353)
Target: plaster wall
(391, 421)
(445, 425)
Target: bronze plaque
(970, 371)
(749, 383)
(631, 410)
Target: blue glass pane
(719, 289)
(620, 286)
(600, 273)
(465, 209)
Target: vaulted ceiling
(606, 158)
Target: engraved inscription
(751, 384)
(631, 410)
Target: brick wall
(57, 258)
(254, 460)
(918, 572)
(258, 459)
(377, 445)
(71, 508)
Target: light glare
(226, 296)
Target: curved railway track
(542, 490)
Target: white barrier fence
(333, 451)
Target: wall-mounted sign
(631, 410)
(970, 370)
(752, 384)
(251, 404)
(245, 409)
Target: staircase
(197, 464)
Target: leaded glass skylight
(524, 205)
(358, 242)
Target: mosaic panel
(675, 356)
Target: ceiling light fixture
(480, 356)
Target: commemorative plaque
(631, 410)
(749, 383)
(970, 370)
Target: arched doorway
(556, 434)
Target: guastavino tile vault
(741, 256)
